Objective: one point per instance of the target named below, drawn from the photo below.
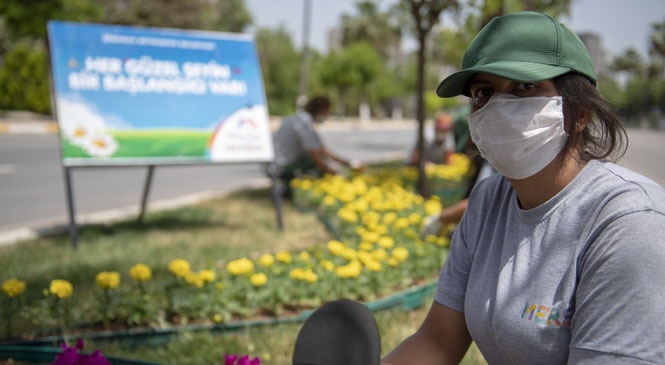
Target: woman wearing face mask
(560, 258)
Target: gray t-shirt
(577, 280)
(293, 138)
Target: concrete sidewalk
(30, 123)
(19, 122)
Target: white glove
(433, 225)
(355, 164)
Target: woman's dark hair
(604, 136)
(317, 105)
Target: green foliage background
(380, 72)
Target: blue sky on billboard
(133, 95)
(88, 70)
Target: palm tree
(425, 15)
(373, 27)
(629, 63)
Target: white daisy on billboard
(78, 121)
(101, 145)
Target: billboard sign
(149, 96)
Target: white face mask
(519, 136)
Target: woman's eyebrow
(478, 80)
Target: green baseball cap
(526, 47)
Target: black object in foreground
(341, 332)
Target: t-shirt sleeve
(620, 300)
(453, 278)
(308, 137)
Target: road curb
(51, 127)
(13, 236)
(28, 127)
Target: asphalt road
(32, 188)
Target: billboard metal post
(73, 229)
(276, 194)
(146, 191)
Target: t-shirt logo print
(547, 315)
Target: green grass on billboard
(147, 144)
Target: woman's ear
(585, 118)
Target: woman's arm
(443, 338)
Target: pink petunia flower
(230, 359)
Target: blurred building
(599, 57)
(334, 38)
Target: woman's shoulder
(627, 189)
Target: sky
(620, 23)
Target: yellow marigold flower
(304, 274)
(243, 266)
(297, 273)
(328, 265)
(219, 285)
(266, 260)
(361, 206)
(347, 215)
(402, 223)
(415, 218)
(389, 218)
(443, 241)
(13, 287)
(400, 253)
(393, 261)
(108, 279)
(61, 288)
(366, 246)
(206, 276)
(310, 276)
(371, 218)
(350, 270)
(386, 242)
(140, 272)
(284, 257)
(258, 279)
(433, 205)
(217, 318)
(179, 267)
(304, 256)
(364, 256)
(349, 253)
(306, 184)
(335, 247)
(329, 200)
(380, 254)
(370, 236)
(373, 265)
(194, 279)
(345, 196)
(431, 238)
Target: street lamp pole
(304, 60)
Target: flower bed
(378, 252)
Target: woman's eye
(480, 96)
(525, 86)
(483, 92)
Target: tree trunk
(420, 114)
